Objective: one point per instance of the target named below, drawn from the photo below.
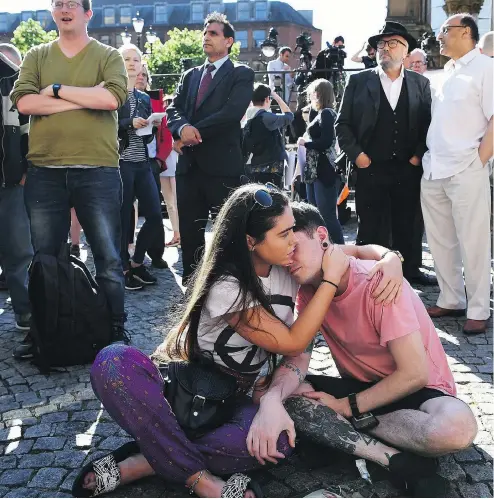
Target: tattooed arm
(288, 376)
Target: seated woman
(240, 312)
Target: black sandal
(106, 470)
(237, 485)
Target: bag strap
(51, 289)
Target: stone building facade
(252, 20)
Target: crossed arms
(108, 95)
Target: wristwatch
(352, 398)
(396, 252)
(56, 88)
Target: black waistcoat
(389, 139)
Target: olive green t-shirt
(82, 137)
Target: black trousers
(157, 247)
(198, 194)
(387, 200)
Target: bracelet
(329, 282)
(196, 481)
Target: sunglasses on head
(262, 196)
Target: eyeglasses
(417, 63)
(444, 30)
(71, 5)
(393, 43)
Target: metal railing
(338, 77)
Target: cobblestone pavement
(51, 425)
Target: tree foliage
(166, 57)
(29, 34)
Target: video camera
(335, 55)
(304, 42)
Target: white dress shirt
(462, 105)
(391, 88)
(216, 64)
(278, 65)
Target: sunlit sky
(356, 20)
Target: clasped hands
(189, 136)
(363, 161)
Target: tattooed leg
(322, 425)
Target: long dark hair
(227, 256)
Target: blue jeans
(96, 195)
(324, 198)
(16, 251)
(138, 181)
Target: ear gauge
(325, 245)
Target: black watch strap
(56, 87)
(352, 398)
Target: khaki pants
(456, 214)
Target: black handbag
(201, 396)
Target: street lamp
(151, 37)
(138, 24)
(126, 37)
(269, 46)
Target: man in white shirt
(382, 128)
(486, 45)
(455, 187)
(281, 64)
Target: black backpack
(249, 144)
(71, 321)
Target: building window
(259, 36)
(160, 14)
(261, 11)
(109, 15)
(25, 16)
(105, 39)
(215, 7)
(3, 22)
(243, 38)
(43, 18)
(243, 11)
(197, 12)
(125, 15)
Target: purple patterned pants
(131, 389)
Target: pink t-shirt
(357, 330)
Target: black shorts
(342, 387)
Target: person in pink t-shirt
(390, 358)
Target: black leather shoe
(159, 264)
(25, 350)
(421, 278)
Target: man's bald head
(11, 52)
(486, 44)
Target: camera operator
(332, 57)
(281, 64)
(263, 144)
(369, 60)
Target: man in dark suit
(382, 127)
(204, 119)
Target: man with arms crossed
(390, 357)
(72, 88)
